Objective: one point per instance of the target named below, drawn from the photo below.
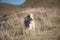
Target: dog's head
(29, 17)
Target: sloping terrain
(47, 20)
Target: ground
(47, 20)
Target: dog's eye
(31, 19)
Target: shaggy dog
(29, 22)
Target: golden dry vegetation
(47, 20)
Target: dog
(30, 22)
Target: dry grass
(47, 25)
(47, 20)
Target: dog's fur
(30, 22)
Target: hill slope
(47, 20)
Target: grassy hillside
(42, 3)
(47, 20)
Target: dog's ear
(26, 18)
